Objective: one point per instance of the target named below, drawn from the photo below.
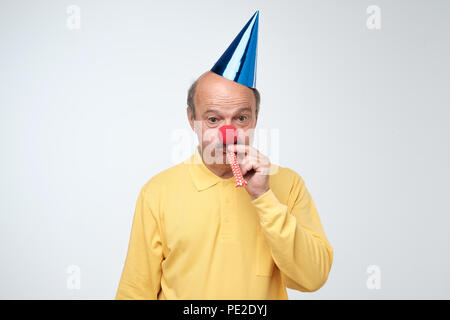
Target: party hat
(238, 62)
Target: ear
(190, 117)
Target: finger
(243, 149)
(247, 166)
(244, 166)
(258, 160)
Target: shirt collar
(202, 177)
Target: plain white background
(87, 117)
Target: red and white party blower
(229, 136)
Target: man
(195, 235)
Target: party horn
(229, 136)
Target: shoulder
(167, 178)
(285, 175)
(286, 183)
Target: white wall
(363, 117)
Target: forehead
(221, 94)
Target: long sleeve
(297, 240)
(141, 275)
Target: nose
(228, 134)
(228, 122)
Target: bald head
(212, 90)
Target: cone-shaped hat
(238, 63)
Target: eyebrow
(211, 110)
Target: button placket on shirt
(227, 208)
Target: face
(218, 102)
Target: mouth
(224, 148)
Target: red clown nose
(229, 134)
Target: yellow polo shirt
(196, 236)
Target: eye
(242, 118)
(212, 119)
